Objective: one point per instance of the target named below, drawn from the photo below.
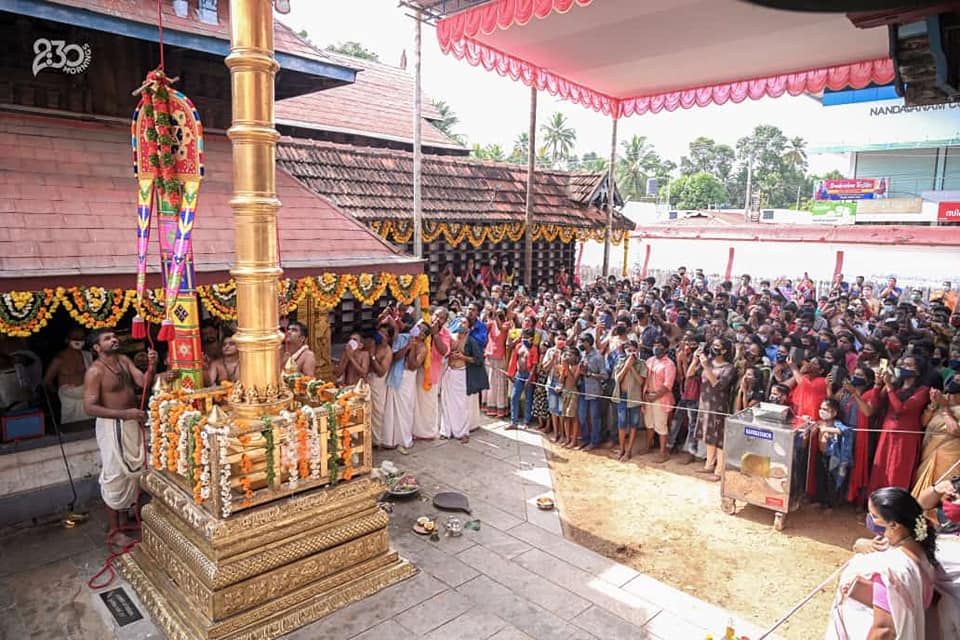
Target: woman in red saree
(897, 453)
(858, 402)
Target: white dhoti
(71, 404)
(473, 410)
(454, 415)
(398, 414)
(426, 421)
(378, 403)
(121, 452)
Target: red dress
(806, 399)
(860, 473)
(897, 453)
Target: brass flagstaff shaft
(255, 204)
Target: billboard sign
(948, 212)
(851, 189)
(830, 212)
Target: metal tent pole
(528, 209)
(611, 181)
(417, 150)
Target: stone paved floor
(515, 578)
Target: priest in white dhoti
(455, 416)
(426, 423)
(409, 352)
(65, 374)
(381, 357)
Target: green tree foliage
(543, 158)
(494, 152)
(707, 155)
(701, 190)
(779, 167)
(558, 137)
(448, 120)
(637, 165)
(593, 162)
(354, 49)
(521, 148)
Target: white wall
(791, 259)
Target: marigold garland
(96, 307)
(455, 233)
(25, 312)
(346, 453)
(367, 288)
(329, 289)
(152, 307)
(220, 299)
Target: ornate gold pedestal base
(264, 572)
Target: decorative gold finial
(216, 416)
(237, 393)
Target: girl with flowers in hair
(885, 592)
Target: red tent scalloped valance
(856, 76)
(501, 14)
(456, 36)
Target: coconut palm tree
(477, 152)
(521, 146)
(543, 158)
(494, 152)
(636, 164)
(796, 153)
(448, 120)
(558, 137)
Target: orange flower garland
(347, 452)
(303, 451)
(246, 466)
(95, 307)
(23, 313)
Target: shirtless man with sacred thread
(109, 395)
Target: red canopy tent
(626, 57)
(621, 57)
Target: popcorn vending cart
(765, 460)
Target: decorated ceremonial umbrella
(167, 140)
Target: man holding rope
(110, 395)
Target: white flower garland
(313, 441)
(185, 425)
(204, 465)
(289, 458)
(165, 407)
(226, 499)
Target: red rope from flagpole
(160, 28)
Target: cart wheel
(779, 520)
(728, 506)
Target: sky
(493, 109)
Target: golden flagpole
(201, 569)
(255, 205)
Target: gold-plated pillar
(255, 204)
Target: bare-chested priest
(298, 350)
(109, 395)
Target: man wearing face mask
(658, 394)
(522, 370)
(65, 374)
